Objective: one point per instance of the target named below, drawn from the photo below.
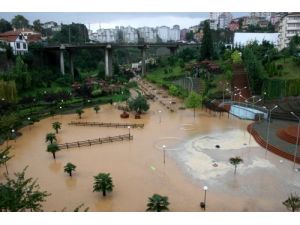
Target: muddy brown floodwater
(137, 168)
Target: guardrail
(78, 144)
(116, 125)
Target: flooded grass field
(137, 169)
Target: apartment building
(289, 26)
(148, 34)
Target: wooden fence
(116, 125)
(78, 144)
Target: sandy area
(137, 168)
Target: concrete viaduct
(108, 47)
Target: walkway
(276, 145)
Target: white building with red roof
(19, 39)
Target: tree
(207, 48)
(189, 36)
(37, 26)
(8, 90)
(158, 203)
(79, 112)
(194, 100)
(56, 126)
(103, 182)
(5, 26)
(96, 108)
(292, 203)
(69, 168)
(4, 157)
(19, 21)
(235, 161)
(50, 137)
(21, 194)
(53, 148)
(23, 77)
(138, 104)
(236, 57)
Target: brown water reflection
(136, 167)
(71, 182)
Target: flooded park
(174, 154)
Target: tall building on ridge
(289, 26)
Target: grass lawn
(158, 75)
(54, 88)
(290, 69)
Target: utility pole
(69, 34)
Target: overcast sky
(110, 20)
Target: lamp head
(205, 188)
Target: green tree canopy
(236, 57)
(37, 26)
(158, 203)
(5, 26)
(19, 21)
(69, 168)
(73, 33)
(53, 148)
(292, 203)
(50, 137)
(207, 48)
(23, 77)
(96, 108)
(79, 112)
(8, 90)
(138, 104)
(103, 183)
(21, 194)
(235, 161)
(56, 126)
(194, 100)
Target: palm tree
(96, 108)
(292, 203)
(79, 112)
(69, 168)
(53, 148)
(235, 161)
(158, 203)
(56, 126)
(103, 182)
(51, 137)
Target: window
(24, 45)
(18, 45)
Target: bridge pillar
(62, 63)
(143, 61)
(71, 57)
(108, 61)
(173, 50)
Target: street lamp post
(129, 131)
(13, 134)
(298, 129)
(203, 204)
(164, 151)
(268, 131)
(159, 113)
